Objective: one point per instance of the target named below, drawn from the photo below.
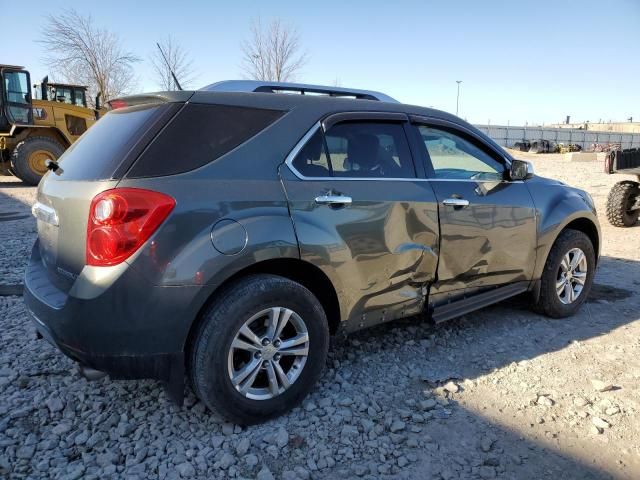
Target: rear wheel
(567, 276)
(259, 350)
(28, 160)
(621, 202)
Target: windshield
(100, 151)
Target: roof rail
(301, 88)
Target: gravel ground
(501, 393)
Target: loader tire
(621, 200)
(29, 157)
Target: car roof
(287, 96)
(321, 105)
(315, 106)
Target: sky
(519, 61)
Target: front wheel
(260, 348)
(567, 276)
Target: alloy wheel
(268, 353)
(572, 276)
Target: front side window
(16, 87)
(454, 157)
(357, 150)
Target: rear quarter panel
(182, 252)
(242, 185)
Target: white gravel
(501, 393)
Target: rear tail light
(121, 220)
(116, 104)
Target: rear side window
(357, 150)
(97, 155)
(312, 160)
(200, 134)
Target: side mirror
(521, 170)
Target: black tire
(621, 197)
(209, 349)
(548, 302)
(20, 156)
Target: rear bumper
(130, 330)
(158, 366)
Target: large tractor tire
(620, 202)
(28, 159)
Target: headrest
(363, 150)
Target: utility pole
(458, 96)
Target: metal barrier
(507, 136)
(628, 160)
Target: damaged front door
(487, 222)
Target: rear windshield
(99, 152)
(200, 134)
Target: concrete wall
(507, 136)
(620, 127)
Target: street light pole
(458, 96)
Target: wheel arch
(24, 133)
(305, 273)
(589, 228)
(50, 132)
(581, 223)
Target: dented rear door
(375, 238)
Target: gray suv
(225, 234)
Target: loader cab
(64, 93)
(15, 97)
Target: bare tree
(273, 52)
(178, 60)
(79, 52)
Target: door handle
(333, 200)
(456, 202)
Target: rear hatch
(96, 162)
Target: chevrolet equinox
(224, 234)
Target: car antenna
(169, 67)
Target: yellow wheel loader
(34, 131)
